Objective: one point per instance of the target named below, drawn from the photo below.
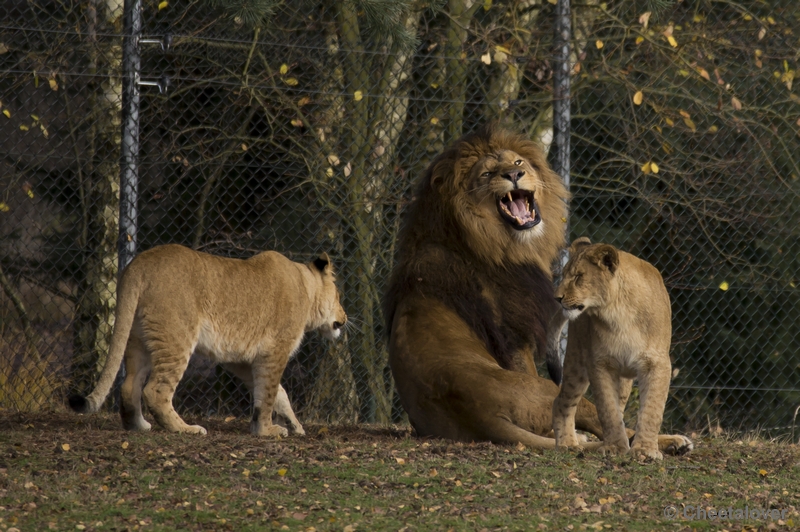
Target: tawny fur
(470, 297)
(250, 315)
(620, 328)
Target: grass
(60, 471)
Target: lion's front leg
(267, 372)
(605, 387)
(653, 392)
(573, 386)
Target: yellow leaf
(639, 39)
(713, 129)
(654, 168)
(487, 5)
(486, 59)
(724, 285)
(244, 148)
(736, 103)
(64, 446)
(305, 100)
(35, 118)
(282, 471)
(358, 95)
(434, 120)
(672, 41)
(683, 73)
(434, 85)
(329, 172)
(669, 121)
(400, 461)
(53, 83)
(667, 147)
(7, 113)
(704, 74)
(297, 122)
(4, 207)
(163, 5)
(684, 113)
(503, 49)
(291, 81)
(638, 98)
(771, 20)
(44, 131)
(646, 168)
(125, 445)
(747, 17)
(23, 127)
(599, 44)
(762, 472)
(644, 19)
(690, 124)
(554, 2)
(284, 69)
(333, 159)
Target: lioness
(250, 315)
(620, 328)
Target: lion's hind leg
(137, 366)
(170, 357)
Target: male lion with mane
(471, 296)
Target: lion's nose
(559, 298)
(514, 175)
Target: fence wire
(306, 133)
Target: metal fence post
(129, 175)
(561, 121)
(129, 164)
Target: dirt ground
(61, 471)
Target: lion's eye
(518, 162)
(486, 174)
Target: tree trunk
(96, 299)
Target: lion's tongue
(520, 210)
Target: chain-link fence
(305, 132)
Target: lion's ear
(323, 263)
(578, 244)
(605, 256)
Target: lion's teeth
(508, 195)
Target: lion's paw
(648, 453)
(273, 431)
(609, 449)
(675, 444)
(194, 429)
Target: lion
(249, 315)
(620, 328)
(469, 303)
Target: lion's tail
(127, 301)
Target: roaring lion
(470, 299)
(620, 328)
(249, 315)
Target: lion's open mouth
(518, 209)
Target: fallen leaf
(639, 40)
(297, 122)
(644, 19)
(672, 41)
(53, 83)
(125, 445)
(762, 32)
(704, 74)
(282, 472)
(486, 59)
(690, 124)
(7, 113)
(724, 286)
(64, 446)
(305, 100)
(762, 472)
(4, 207)
(333, 160)
(231, 418)
(736, 103)
(638, 98)
(284, 69)
(599, 44)
(400, 461)
(358, 95)
(163, 5)
(291, 81)
(496, 474)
